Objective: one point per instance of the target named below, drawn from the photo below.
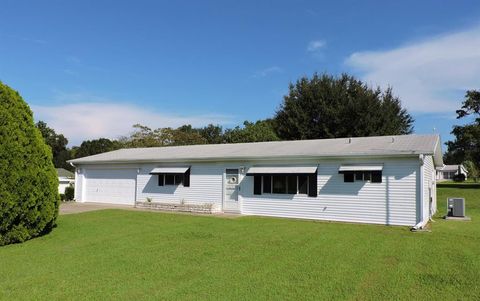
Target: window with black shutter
(178, 179)
(285, 183)
(312, 185)
(267, 184)
(303, 184)
(257, 185)
(186, 178)
(374, 176)
(172, 176)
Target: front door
(231, 184)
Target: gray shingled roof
(450, 168)
(340, 147)
(65, 173)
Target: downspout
(422, 222)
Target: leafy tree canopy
(325, 106)
(93, 147)
(466, 145)
(144, 136)
(58, 144)
(261, 130)
(472, 169)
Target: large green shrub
(29, 197)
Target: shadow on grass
(459, 185)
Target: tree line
(321, 106)
(465, 148)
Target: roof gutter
(215, 159)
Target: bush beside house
(69, 193)
(29, 197)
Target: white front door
(231, 186)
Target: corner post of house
(422, 162)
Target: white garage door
(113, 186)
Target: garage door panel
(114, 186)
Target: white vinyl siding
(391, 202)
(78, 185)
(206, 186)
(63, 184)
(428, 187)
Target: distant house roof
(340, 147)
(65, 173)
(451, 168)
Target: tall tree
(466, 146)
(96, 146)
(143, 136)
(58, 144)
(261, 130)
(184, 135)
(29, 197)
(325, 106)
(213, 134)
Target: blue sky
(93, 68)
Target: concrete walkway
(74, 207)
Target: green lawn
(115, 254)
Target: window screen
(286, 184)
(348, 176)
(291, 184)
(267, 184)
(169, 179)
(279, 184)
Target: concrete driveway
(74, 207)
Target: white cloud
(267, 71)
(429, 75)
(316, 45)
(90, 120)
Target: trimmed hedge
(459, 177)
(29, 196)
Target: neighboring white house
(65, 179)
(449, 171)
(382, 180)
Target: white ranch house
(65, 179)
(448, 172)
(382, 180)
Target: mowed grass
(130, 255)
